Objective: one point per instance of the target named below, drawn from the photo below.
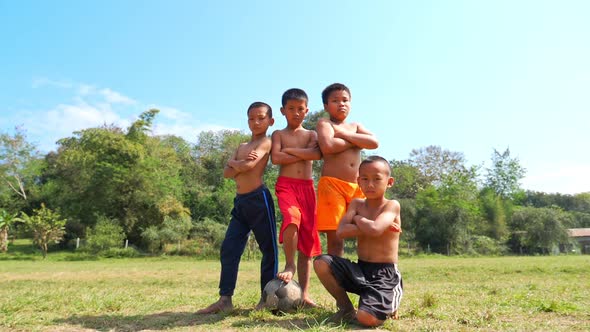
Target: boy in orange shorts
(294, 148)
(340, 143)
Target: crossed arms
(334, 139)
(352, 224)
(235, 166)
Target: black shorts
(379, 285)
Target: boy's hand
(313, 145)
(252, 155)
(338, 131)
(356, 218)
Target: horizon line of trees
(164, 194)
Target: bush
(105, 235)
(151, 239)
(207, 237)
(484, 245)
(128, 252)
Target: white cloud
(171, 113)
(64, 119)
(40, 82)
(91, 106)
(85, 89)
(116, 98)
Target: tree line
(108, 184)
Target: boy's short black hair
(378, 159)
(331, 88)
(260, 104)
(294, 94)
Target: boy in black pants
(253, 210)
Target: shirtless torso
(295, 150)
(377, 228)
(341, 145)
(248, 164)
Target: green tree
(122, 176)
(496, 211)
(447, 216)
(435, 163)
(504, 175)
(409, 181)
(539, 229)
(311, 119)
(46, 227)
(213, 193)
(7, 220)
(106, 234)
(140, 128)
(20, 168)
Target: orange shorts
(334, 195)
(296, 198)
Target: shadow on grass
(158, 321)
(240, 318)
(169, 320)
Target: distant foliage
(207, 236)
(7, 221)
(46, 226)
(106, 234)
(539, 230)
(505, 174)
(167, 195)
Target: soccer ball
(279, 296)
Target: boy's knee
(367, 319)
(320, 265)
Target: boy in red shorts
(294, 148)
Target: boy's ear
(272, 121)
(390, 181)
(282, 111)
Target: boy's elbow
(327, 149)
(373, 145)
(227, 173)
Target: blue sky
(469, 76)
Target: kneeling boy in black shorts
(375, 222)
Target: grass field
(441, 294)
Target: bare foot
(260, 305)
(222, 305)
(395, 315)
(287, 274)
(343, 316)
(307, 304)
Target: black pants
(254, 211)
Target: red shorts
(297, 202)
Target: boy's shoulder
(291, 132)
(258, 142)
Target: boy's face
(295, 111)
(374, 179)
(338, 105)
(258, 120)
